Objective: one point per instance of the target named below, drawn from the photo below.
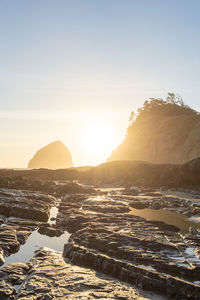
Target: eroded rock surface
(25, 204)
(2, 260)
(150, 254)
(12, 276)
(13, 233)
(48, 276)
(23, 212)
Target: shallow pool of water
(33, 243)
(36, 241)
(53, 214)
(166, 216)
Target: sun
(98, 140)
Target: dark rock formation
(124, 173)
(139, 173)
(52, 156)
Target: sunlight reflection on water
(33, 243)
(36, 241)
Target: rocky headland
(162, 131)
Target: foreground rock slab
(48, 276)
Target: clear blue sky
(62, 61)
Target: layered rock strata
(25, 204)
(150, 254)
(21, 213)
(48, 276)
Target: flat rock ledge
(25, 204)
(48, 276)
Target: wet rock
(23, 235)
(33, 214)
(152, 194)
(16, 272)
(7, 291)
(129, 248)
(130, 191)
(8, 240)
(11, 276)
(22, 223)
(23, 228)
(106, 238)
(2, 219)
(193, 231)
(2, 260)
(25, 204)
(138, 204)
(163, 226)
(171, 287)
(65, 281)
(4, 209)
(185, 203)
(74, 188)
(50, 230)
(104, 204)
(14, 232)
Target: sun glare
(98, 140)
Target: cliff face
(158, 136)
(52, 156)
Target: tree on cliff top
(172, 105)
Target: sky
(70, 67)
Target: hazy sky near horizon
(68, 65)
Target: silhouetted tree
(179, 100)
(171, 98)
(172, 105)
(132, 118)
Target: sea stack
(53, 156)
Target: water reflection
(167, 217)
(33, 243)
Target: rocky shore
(150, 254)
(133, 256)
